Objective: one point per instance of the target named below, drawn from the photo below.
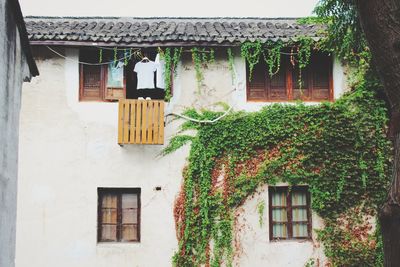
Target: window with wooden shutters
(118, 215)
(316, 81)
(289, 213)
(100, 82)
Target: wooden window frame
(103, 86)
(101, 191)
(289, 71)
(289, 207)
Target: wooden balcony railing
(141, 122)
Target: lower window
(118, 215)
(289, 213)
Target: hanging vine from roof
(171, 64)
(251, 52)
(299, 52)
(201, 57)
(231, 64)
(272, 56)
(100, 55)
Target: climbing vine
(171, 61)
(201, 57)
(197, 61)
(272, 56)
(251, 52)
(326, 147)
(231, 63)
(260, 210)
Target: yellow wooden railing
(141, 122)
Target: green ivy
(171, 64)
(272, 56)
(231, 64)
(251, 52)
(100, 55)
(201, 58)
(197, 61)
(326, 146)
(260, 210)
(299, 52)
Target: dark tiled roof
(165, 30)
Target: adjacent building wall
(69, 149)
(13, 70)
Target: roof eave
(24, 37)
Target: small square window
(118, 215)
(289, 213)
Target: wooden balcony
(141, 122)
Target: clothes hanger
(145, 59)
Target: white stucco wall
(69, 149)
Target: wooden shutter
(277, 84)
(256, 88)
(262, 87)
(91, 82)
(301, 91)
(321, 75)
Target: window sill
(299, 240)
(117, 244)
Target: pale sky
(171, 8)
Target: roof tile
(158, 30)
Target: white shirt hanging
(160, 72)
(145, 74)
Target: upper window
(316, 81)
(100, 81)
(289, 213)
(118, 215)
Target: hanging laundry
(145, 74)
(160, 72)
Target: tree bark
(381, 24)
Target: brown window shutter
(257, 86)
(91, 82)
(277, 84)
(321, 72)
(301, 91)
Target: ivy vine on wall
(339, 149)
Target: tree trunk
(381, 24)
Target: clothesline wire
(170, 114)
(88, 63)
(186, 51)
(126, 57)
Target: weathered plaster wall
(252, 240)
(13, 70)
(69, 149)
